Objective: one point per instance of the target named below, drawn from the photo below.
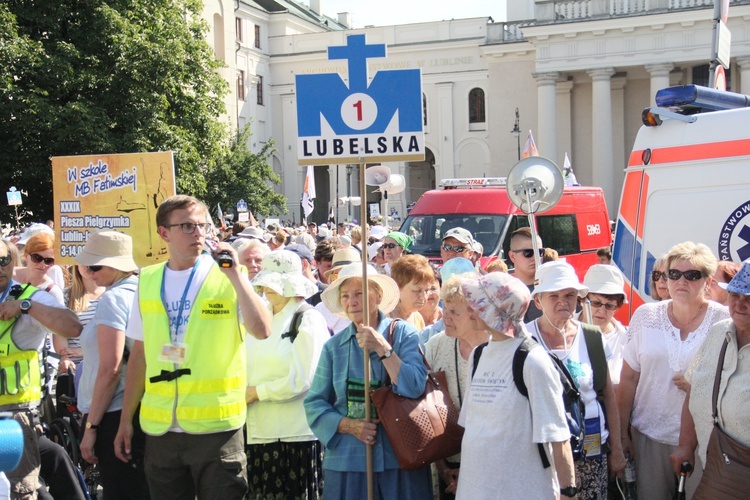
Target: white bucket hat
(251, 232)
(555, 276)
(605, 280)
(389, 287)
(378, 232)
(281, 271)
(110, 248)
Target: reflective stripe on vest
(20, 370)
(212, 397)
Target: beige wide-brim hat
(110, 248)
(389, 287)
(343, 257)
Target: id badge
(173, 353)
(592, 443)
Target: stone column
(602, 162)
(546, 137)
(659, 78)
(565, 121)
(743, 63)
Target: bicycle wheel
(61, 432)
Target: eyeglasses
(658, 276)
(36, 258)
(453, 248)
(5, 260)
(390, 246)
(190, 227)
(529, 252)
(691, 275)
(597, 304)
(95, 269)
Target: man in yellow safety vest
(187, 366)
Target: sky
(389, 12)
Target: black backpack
(572, 402)
(296, 320)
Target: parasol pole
(365, 317)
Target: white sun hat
(389, 287)
(281, 271)
(555, 276)
(605, 280)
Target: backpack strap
(477, 354)
(595, 347)
(296, 320)
(519, 359)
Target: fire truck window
(559, 232)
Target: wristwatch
(89, 425)
(569, 491)
(387, 354)
(25, 306)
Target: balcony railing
(556, 11)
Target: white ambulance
(687, 179)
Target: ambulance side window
(516, 222)
(559, 232)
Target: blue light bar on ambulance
(700, 97)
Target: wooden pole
(365, 316)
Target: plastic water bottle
(629, 490)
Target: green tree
(107, 76)
(240, 174)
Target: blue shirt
(326, 404)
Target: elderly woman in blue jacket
(335, 403)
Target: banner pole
(365, 316)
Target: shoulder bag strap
(595, 347)
(717, 382)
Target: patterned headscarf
(403, 240)
(500, 300)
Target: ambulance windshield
(428, 230)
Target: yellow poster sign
(118, 191)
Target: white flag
(569, 176)
(308, 194)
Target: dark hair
(326, 249)
(238, 227)
(605, 252)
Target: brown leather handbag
(727, 471)
(420, 430)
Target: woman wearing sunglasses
(659, 288)
(606, 296)
(108, 257)
(664, 337)
(395, 245)
(39, 253)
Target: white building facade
(579, 72)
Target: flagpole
(365, 318)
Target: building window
(260, 90)
(238, 28)
(257, 36)
(476, 106)
(701, 76)
(424, 109)
(241, 85)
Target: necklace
(685, 325)
(562, 331)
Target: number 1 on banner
(359, 111)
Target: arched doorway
(420, 177)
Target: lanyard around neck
(182, 301)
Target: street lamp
(517, 132)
